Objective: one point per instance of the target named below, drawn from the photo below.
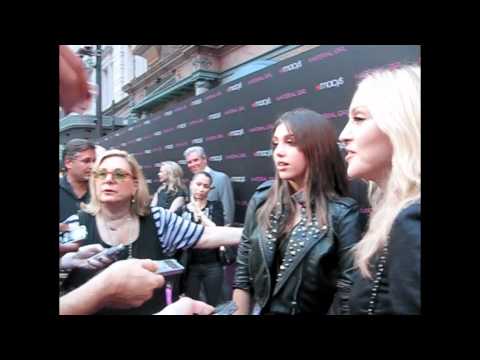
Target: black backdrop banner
(233, 122)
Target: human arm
(176, 233)
(79, 259)
(74, 89)
(154, 201)
(177, 203)
(124, 284)
(242, 281)
(69, 247)
(404, 261)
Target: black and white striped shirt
(173, 232)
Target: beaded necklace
(376, 282)
(297, 239)
(112, 230)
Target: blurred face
(162, 174)
(196, 162)
(290, 162)
(114, 181)
(369, 150)
(200, 187)
(80, 167)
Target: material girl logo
(260, 78)
(261, 178)
(364, 73)
(327, 54)
(185, 143)
(214, 137)
(213, 96)
(234, 110)
(180, 108)
(236, 156)
(195, 122)
(261, 128)
(329, 84)
(291, 94)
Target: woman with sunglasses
(119, 213)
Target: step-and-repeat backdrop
(233, 122)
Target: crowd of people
(303, 247)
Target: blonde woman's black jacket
(321, 275)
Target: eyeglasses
(117, 174)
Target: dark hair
(74, 146)
(326, 175)
(204, 173)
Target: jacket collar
(323, 235)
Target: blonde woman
(171, 192)
(382, 139)
(119, 213)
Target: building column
(202, 86)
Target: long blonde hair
(141, 199)
(394, 104)
(174, 177)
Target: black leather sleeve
(347, 232)
(242, 275)
(404, 262)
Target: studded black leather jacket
(319, 275)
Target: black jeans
(211, 276)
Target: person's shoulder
(344, 202)
(261, 192)
(408, 219)
(64, 184)
(218, 174)
(411, 211)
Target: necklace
(302, 234)
(376, 283)
(111, 232)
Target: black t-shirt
(154, 242)
(214, 211)
(165, 198)
(69, 203)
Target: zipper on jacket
(293, 303)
